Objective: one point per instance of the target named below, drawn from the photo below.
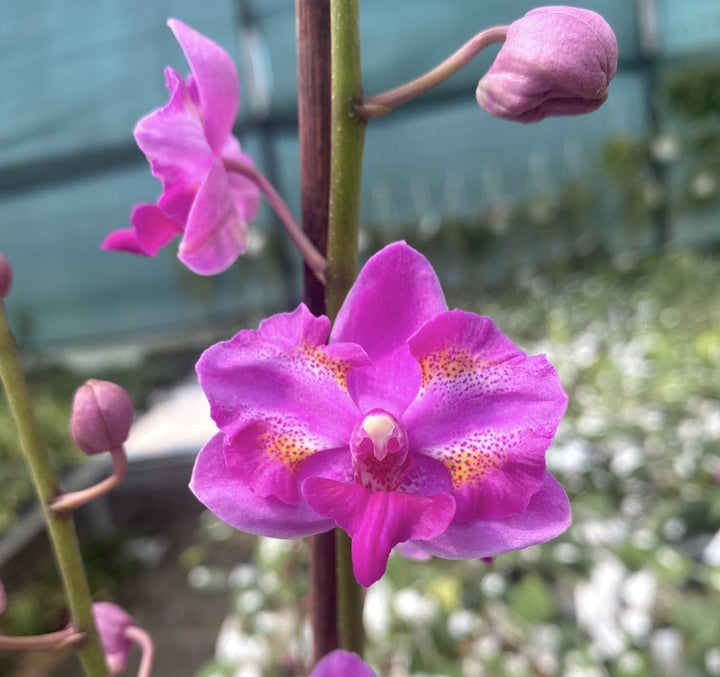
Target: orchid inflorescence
(407, 425)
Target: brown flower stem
(312, 28)
(380, 104)
(144, 641)
(72, 500)
(351, 597)
(69, 636)
(312, 257)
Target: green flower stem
(61, 528)
(380, 104)
(347, 134)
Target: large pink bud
(555, 61)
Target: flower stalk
(73, 500)
(68, 636)
(60, 528)
(143, 640)
(312, 257)
(347, 136)
(380, 104)
(313, 57)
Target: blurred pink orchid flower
(186, 142)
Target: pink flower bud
(340, 662)
(5, 276)
(102, 414)
(555, 61)
(112, 622)
(3, 598)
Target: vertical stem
(313, 51)
(347, 134)
(350, 598)
(61, 528)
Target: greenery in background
(633, 589)
(677, 169)
(52, 388)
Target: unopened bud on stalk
(555, 61)
(118, 633)
(102, 414)
(5, 276)
(112, 622)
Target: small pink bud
(5, 276)
(112, 623)
(556, 60)
(102, 414)
(340, 662)
(3, 598)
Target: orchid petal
(486, 409)
(377, 520)
(152, 230)
(174, 142)
(153, 227)
(411, 551)
(215, 234)
(279, 394)
(395, 293)
(232, 498)
(216, 79)
(245, 193)
(123, 240)
(546, 516)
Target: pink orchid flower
(556, 60)
(341, 663)
(414, 423)
(186, 142)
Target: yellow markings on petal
(447, 364)
(466, 466)
(472, 459)
(287, 446)
(321, 363)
